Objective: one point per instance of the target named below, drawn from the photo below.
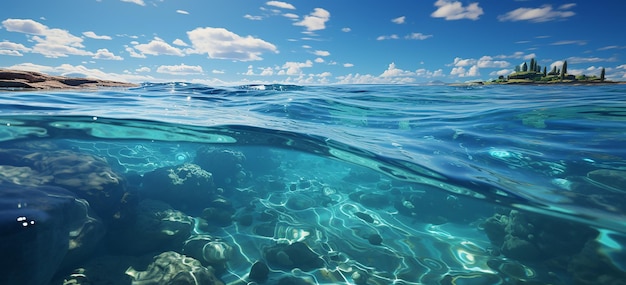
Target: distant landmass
(533, 73)
(30, 80)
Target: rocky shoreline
(30, 80)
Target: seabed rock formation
(30, 80)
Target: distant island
(533, 73)
(29, 80)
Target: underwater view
(177, 183)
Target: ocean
(181, 183)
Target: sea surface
(180, 183)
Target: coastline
(30, 80)
(542, 83)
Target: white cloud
(393, 71)
(454, 10)
(253, 18)
(502, 72)
(346, 30)
(138, 2)
(543, 14)
(182, 12)
(216, 71)
(464, 62)
(348, 65)
(224, 44)
(267, 71)
(577, 59)
(488, 62)
(13, 49)
(315, 21)
(389, 37)
(294, 68)
(180, 42)
(143, 69)
(319, 60)
(569, 42)
(460, 71)
(291, 16)
(280, 4)
(321, 53)
(181, 69)
(399, 20)
(417, 36)
(133, 53)
(106, 54)
(48, 42)
(158, 47)
(93, 35)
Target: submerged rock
(43, 229)
(184, 186)
(295, 255)
(88, 176)
(259, 272)
(208, 250)
(224, 164)
(530, 237)
(156, 227)
(171, 268)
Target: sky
(233, 42)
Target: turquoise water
(361, 184)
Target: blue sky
(226, 42)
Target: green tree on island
(602, 73)
(535, 73)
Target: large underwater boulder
(225, 165)
(88, 176)
(41, 230)
(532, 237)
(186, 186)
(172, 268)
(210, 251)
(156, 226)
(294, 255)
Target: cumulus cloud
(393, 71)
(224, 44)
(454, 10)
(180, 42)
(48, 42)
(399, 20)
(460, 71)
(319, 60)
(158, 47)
(348, 65)
(346, 30)
(315, 21)
(138, 2)
(182, 12)
(291, 16)
(13, 49)
(106, 54)
(280, 4)
(543, 14)
(489, 62)
(93, 35)
(294, 68)
(321, 53)
(181, 69)
(143, 69)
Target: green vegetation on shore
(533, 73)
